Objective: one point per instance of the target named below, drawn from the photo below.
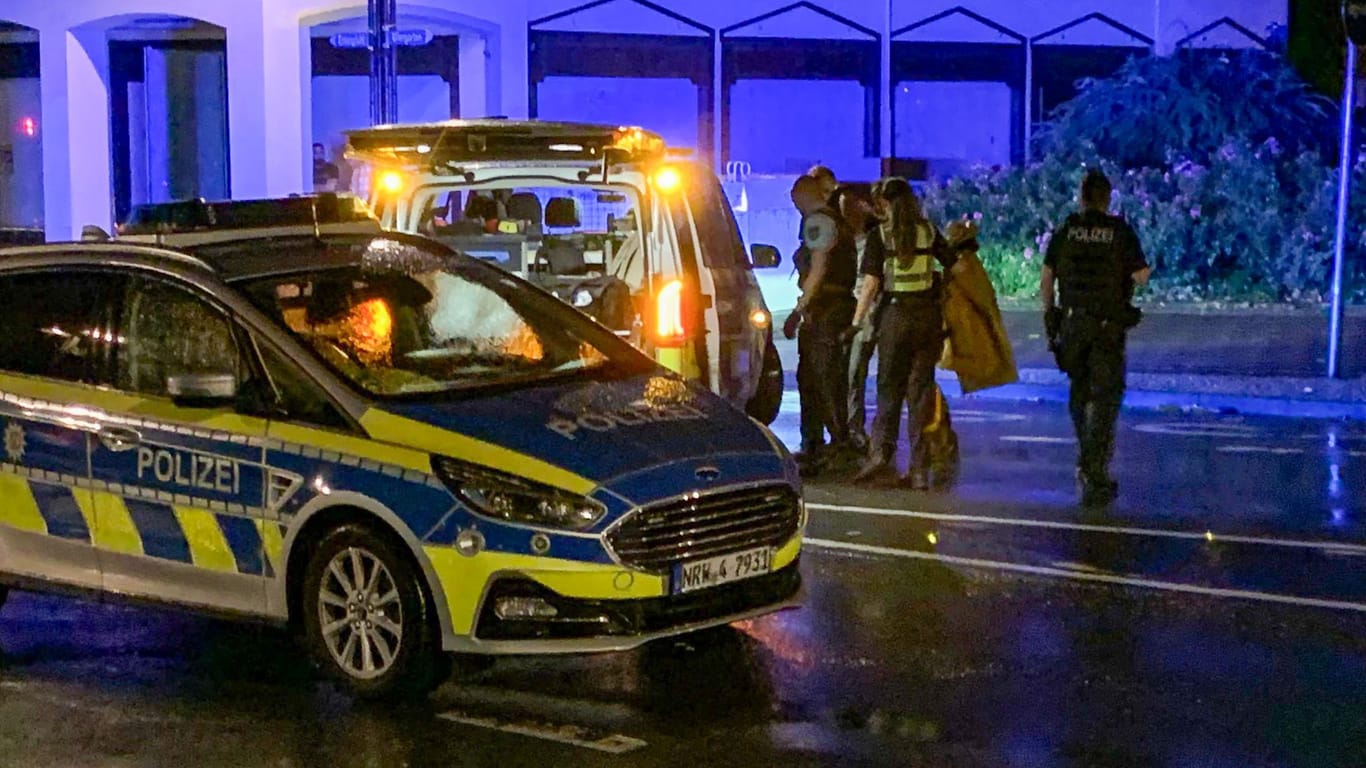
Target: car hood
(581, 435)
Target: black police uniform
(1093, 256)
(823, 358)
(910, 337)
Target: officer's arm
(820, 235)
(869, 287)
(1047, 276)
(1137, 262)
(1046, 280)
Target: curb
(1040, 385)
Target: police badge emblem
(14, 443)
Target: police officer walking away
(899, 262)
(824, 311)
(1095, 260)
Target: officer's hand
(848, 335)
(790, 325)
(1052, 324)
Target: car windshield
(400, 319)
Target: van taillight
(670, 329)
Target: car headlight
(515, 499)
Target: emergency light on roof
(448, 144)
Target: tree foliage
(1191, 103)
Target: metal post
(1029, 103)
(383, 62)
(1344, 191)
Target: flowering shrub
(1249, 218)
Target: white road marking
(1185, 429)
(1062, 573)
(1271, 449)
(1210, 536)
(613, 744)
(1042, 439)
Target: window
(716, 227)
(300, 398)
(50, 323)
(168, 331)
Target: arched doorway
(21, 149)
(168, 111)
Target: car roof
(229, 260)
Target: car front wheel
(367, 620)
(768, 398)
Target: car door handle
(118, 439)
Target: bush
(1232, 201)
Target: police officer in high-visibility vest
(1096, 260)
(899, 262)
(824, 310)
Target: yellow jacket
(977, 348)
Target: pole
(1029, 103)
(383, 62)
(1344, 191)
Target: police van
(607, 218)
(399, 451)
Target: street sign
(405, 38)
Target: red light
(28, 127)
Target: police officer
(824, 310)
(864, 217)
(1096, 261)
(900, 264)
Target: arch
(803, 41)
(955, 48)
(164, 69)
(21, 148)
(1058, 65)
(1227, 25)
(626, 40)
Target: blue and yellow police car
(397, 450)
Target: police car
(609, 219)
(397, 450)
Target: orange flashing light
(668, 179)
(391, 182)
(669, 327)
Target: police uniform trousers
(860, 358)
(909, 344)
(1092, 356)
(822, 372)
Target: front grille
(655, 537)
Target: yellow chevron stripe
(274, 544)
(18, 509)
(208, 546)
(392, 428)
(85, 502)
(114, 529)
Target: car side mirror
(764, 256)
(202, 389)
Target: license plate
(715, 571)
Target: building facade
(108, 103)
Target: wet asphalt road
(1215, 617)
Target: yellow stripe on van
(114, 529)
(18, 509)
(433, 440)
(208, 547)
